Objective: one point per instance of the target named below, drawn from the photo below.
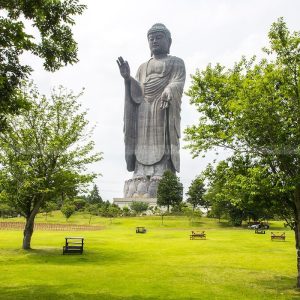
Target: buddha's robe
(151, 132)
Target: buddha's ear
(170, 43)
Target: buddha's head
(159, 38)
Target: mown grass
(162, 264)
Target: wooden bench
(278, 236)
(260, 231)
(197, 235)
(73, 245)
(140, 230)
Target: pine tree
(94, 196)
(169, 191)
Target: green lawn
(162, 264)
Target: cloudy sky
(203, 31)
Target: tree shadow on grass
(197, 223)
(55, 256)
(48, 292)
(226, 224)
(284, 285)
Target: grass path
(162, 264)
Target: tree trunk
(297, 231)
(28, 230)
(27, 234)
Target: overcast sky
(203, 32)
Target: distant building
(122, 202)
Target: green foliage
(111, 211)
(6, 211)
(6, 208)
(126, 211)
(79, 203)
(192, 214)
(169, 191)
(241, 189)
(138, 206)
(54, 43)
(49, 207)
(93, 210)
(196, 192)
(68, 210)
(178, 209)
(94, 196)
(44, 152)
(254, 110)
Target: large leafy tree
(241, 189)
(54, 43)
(44, 153)
(254, 109)
(169, 191)
(196, 192)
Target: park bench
(73, 245)
(140, 230)
(278, 236)
(197, 235)
(260, 231)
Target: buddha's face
(158, 43)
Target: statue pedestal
(122, 202)
(141, 187)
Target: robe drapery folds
(146, 126)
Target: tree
(179, 208)
(49, 207)
(241, 189)
(196, 192)
(138, 206)
(94, 196)
(254, 109)
(55, 44)
(160, 212)
(5, 210)
(68, 210)
(93, 210)
(192, 214)
(44, 153)
(126, 211)
(79, 203)
(169, 191)
(112, 212)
